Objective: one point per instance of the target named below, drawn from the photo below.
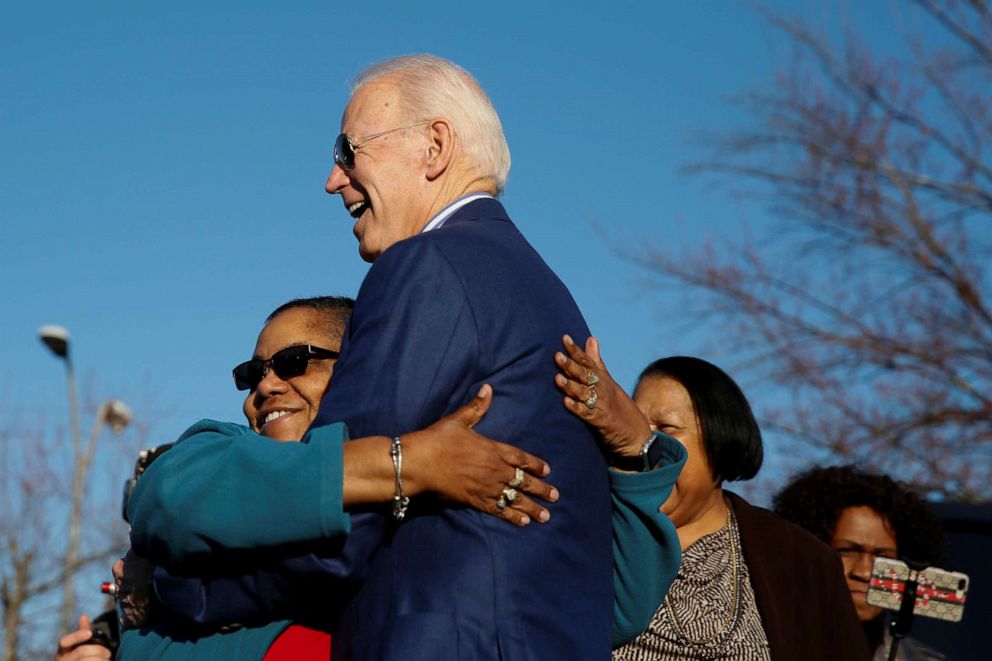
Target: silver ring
(501, 502)
(591, 378)
(518, 478)
(592, 399)
(510, 494)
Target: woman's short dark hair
(333, 310)
(729, 431)
(333, 304)
(814, 500)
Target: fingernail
(524, 520)
(568, 339)
(553, 496)
(544, 516)
(482, 391)
(545, 469)
(559, 357)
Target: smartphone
(940, 593)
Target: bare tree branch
(868, 306)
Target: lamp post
(113, 413)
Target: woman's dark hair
(339, 304)
(729, 432)
(815, 499)
(334, 310)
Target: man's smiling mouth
(357, 209)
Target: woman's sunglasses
(286, 363)
(345, 147)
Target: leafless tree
(868, 306)
(37, 468)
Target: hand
(133, 575)
(459, 465)
(612, 412)
(68, 650)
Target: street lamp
(55, 338)
(115, 414)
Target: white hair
(431, 86)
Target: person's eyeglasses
(346, 147)
(286, 363)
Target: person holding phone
(864, 516)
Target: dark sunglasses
(346, 147)
(286, 363)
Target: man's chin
(367, 253)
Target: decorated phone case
(940, 593)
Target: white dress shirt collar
(439, 219)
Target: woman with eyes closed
(751, 585)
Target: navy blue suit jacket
(438, 315)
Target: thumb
(84, 623)
(470, 414)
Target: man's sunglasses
(346, 147)
(286, 363)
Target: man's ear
(440, 147)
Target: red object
(300, 643)
(924, 593)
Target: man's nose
(336, 180)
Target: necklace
(735, 598)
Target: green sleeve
(646, 551)
(242, 643)
(224, 487)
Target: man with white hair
(456, 298)
(419, 139)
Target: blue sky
(163, 166)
